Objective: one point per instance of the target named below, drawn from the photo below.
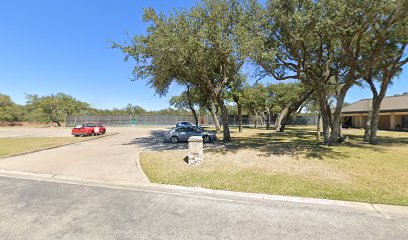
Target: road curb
(48, 148)
(379, 210)
(139, 166)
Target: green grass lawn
(294, 164)
(11, 146)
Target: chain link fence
(171, 120)
(129, 120)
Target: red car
(88, 129)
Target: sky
(49, 46)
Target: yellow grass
(11, 146)
(293, 163)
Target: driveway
(33, 209)
(111, 159)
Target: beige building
(393, 113)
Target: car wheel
(206, 139)
(174, 139)
(104, 131)
(76, 135)
(91, 134)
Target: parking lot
(111, 159)
(34, 132)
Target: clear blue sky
(63, 46)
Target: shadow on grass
(293, 141)
(386, 141)
(296, 141)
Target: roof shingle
(389, 104)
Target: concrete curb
(65, 144)
(139, 166)
(378, 210)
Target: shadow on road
(155, 142)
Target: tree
(344, 40)
(187, 100)
(383, 74)
(235, 91)
(254, 100)
(56, 106)
(9, 111)
(134, 109)
(71, 105)
(198, 47)
(286, 99)
(312, 106)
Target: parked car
(186, 124)
(88, 129)
(182, 134)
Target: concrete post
(392, 122)
(360, 121)
(195, 150)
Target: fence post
(120, 120)
(155, 124)
(166, 119)
(145, 121)
(130, 119)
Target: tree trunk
(224, 116)
(283, 121)
(190, 105)
(377, 99)
(211, 109)
(268, 119)
(256, 119)
(374, 121)
(239, 106)
(53, 120)
(367, 129)
(336, 117)
(195, 115)
(261, 119)
(376, 113)
(325, 117)
(318, 130)
(282, 115)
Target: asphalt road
(33, 209)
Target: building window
(405, 121)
